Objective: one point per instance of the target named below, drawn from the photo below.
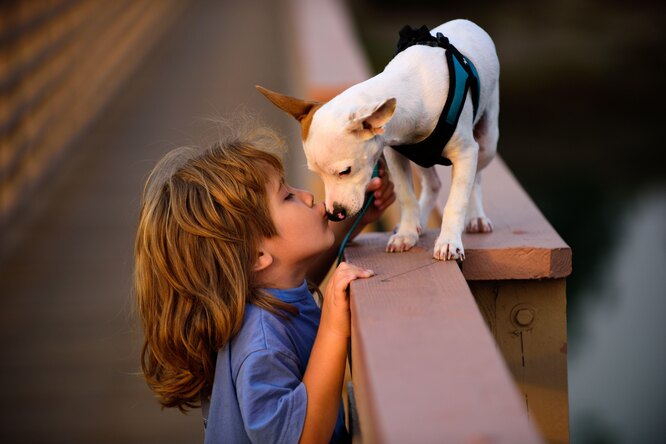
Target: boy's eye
(289, 196)
(345, 171)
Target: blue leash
(368, 201)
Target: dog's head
(341, 147)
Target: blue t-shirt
(258, 394)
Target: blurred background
(93, 93)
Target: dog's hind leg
(486, 133)
(430, 186)
(476, 220)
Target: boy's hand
(335, 317)
(383, 190)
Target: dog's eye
(345, 171)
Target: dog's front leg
(409, 229)
(449, 243)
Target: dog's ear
(301, 110)
(298, 108)
(366, 123)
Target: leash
(368, 201)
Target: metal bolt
(524, 317)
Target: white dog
(396, 109)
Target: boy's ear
(263, 261)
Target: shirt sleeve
(272, 397)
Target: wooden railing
(442, 352)
(60, 62)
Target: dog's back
(475, 43)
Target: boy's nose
(307, 197)
(310, 199)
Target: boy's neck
(282, 277)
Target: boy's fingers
(352, 275)
(382, 165)
(341, 286)
(385, 197)
(383, 192)
(345, 276)
(375, 184)
(346, 268)
(386, 203)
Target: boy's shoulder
(262, 331)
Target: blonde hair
(203, 215)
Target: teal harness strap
(368, 201)
(463, 77)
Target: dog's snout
(339, 213)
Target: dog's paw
(419, 230)
(479, 225)
(400, 242)
(448, 249)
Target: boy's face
(302, 225)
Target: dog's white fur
(399, 106)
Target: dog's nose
(339, 213)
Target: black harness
(462, 78)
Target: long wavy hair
(203, 214)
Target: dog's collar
(463, 77)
